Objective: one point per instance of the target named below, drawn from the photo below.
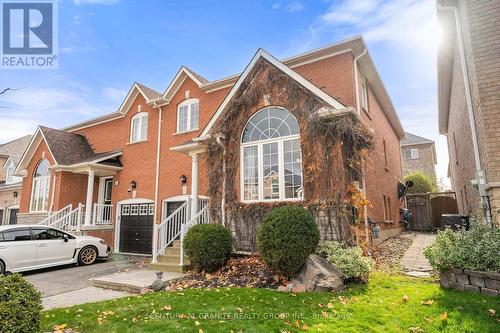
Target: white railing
(55, 216)
(102, 214)
(71, 221)
(203, 216)
(170, 228)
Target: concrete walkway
(414, 261)
(81, 296)
(132, 281)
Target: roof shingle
(412, 139)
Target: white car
(28, 247)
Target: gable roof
(66, 149)
(182, 74)
(412, 139)
(136, 89)
(262, 54)
(14, 149)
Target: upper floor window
(40, 188)
(139, 127)
(188, 115)
(364, 95)
(411, 153)
(10, 167)
(271, 158)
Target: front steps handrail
(54, 217)
(71, 221)
(202, 217)
(170, 228)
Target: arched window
(139, 127)
(271, 159)
(188, 115)
(41, 187)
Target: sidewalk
(414, 260)
(81, 296)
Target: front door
(13, 216)
(172, 206)
(136, 228)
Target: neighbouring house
(419, 154)
(10, 185)
(469, 102)
(296, 131)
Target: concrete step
(172, 258)
(167, 267)
(173, 250)
(176, 243)
(131, 281)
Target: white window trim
(38, 180)
(141, 116)
(414, 154)
(364, 95)
(188, 102)
(260, 167)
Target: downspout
(218, 139)
(480, 175)
(157, 181)
(363, 175)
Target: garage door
(136, 228)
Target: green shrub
(20, 305)
(286, 237)
(208, 246)
(422, 182)
(476, 249)
(349, 260)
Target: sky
(107, 45)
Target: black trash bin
(455, 221)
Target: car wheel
(87, 255)
(2, 267)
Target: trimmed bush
(476, 249)
(286, 237)
(20, 305)
(422, 182)
(208, 246)
(349, 260)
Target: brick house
(140, 176)
(419, 154)
(469, 103)
(10, 185)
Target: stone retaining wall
(475, 281)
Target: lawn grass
(388, 303)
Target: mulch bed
(388, 254)
(240, 271)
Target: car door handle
(3, 247)
(42, 245)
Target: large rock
(318, 275)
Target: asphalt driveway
(63, 279)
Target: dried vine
(332, 150)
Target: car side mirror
(65, 238)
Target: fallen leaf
(329, 305)
(428, 302)
(492, 312)
(405, 298)
(415, 329)
(443, 316)
(197, 323)
(167, 307)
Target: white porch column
(194, 184)
(90, 193)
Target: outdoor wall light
(133, 185)
(15, 194)
(183, 179)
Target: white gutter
(468, 98)
(157, 181)
(363, 175)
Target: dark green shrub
(286, 237)
(20, 305)
(208, 246)
(476, 249)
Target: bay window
(40, 188)
(271, 159)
